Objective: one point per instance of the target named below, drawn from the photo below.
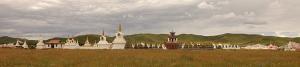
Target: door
(52, 45)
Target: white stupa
(77, 43)
(103, 44)
(119, 42)
(25, 45)
(87, 43)
(18, 44)
(40, 44)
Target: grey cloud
(256, 23)
(79, 17)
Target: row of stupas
(18, 44)
(118, 43)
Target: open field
(147, 58)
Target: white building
(119, 42)
(54, 43)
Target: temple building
(119, 42)
(54, 43)
(103, 44)
(172, 41)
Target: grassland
(147, 58)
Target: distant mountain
(6, 39)
(238, 39)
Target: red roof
(55, 41)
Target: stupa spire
(87, 40)
(120, 28)
(103, 34)
(119, 41)
(87, 43)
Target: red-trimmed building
(172, 41)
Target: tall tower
(119, 42)
(172, 41)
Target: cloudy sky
(51, 18)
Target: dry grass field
(147, 58)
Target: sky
(62, 18)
